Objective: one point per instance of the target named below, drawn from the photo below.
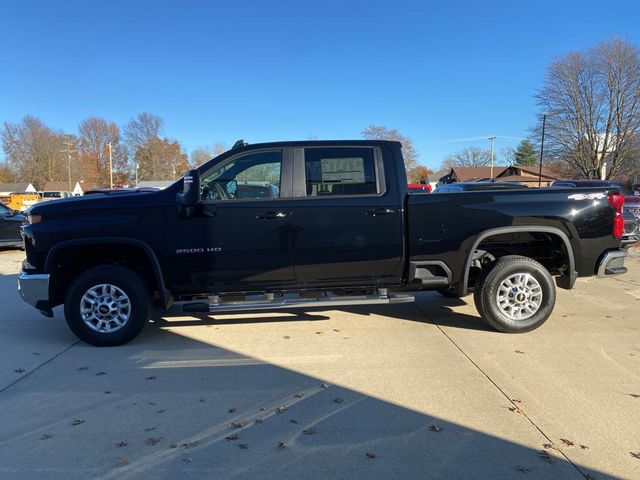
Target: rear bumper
(34, 289)
(612, 263)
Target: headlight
(31, 219)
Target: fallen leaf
(550, 446)
(46, 436)
(187, 459)
(192, 444)
(293, 421)
(19, 370)
(258, 420)
(515, 400)
(545, 456)
(231, 410)
(152, 377)
(107, 392)
(338, 400)
(152, 404)
(122, 461)
(243, 446)
(435, 428)
(371, 455)
(162, 411)
(173, 445)
(286, 337)
(262, 409)
(309, 431)
(568, 443)
(584, 447)
(299, 395)
(202, 400)
(523, 469)
(336, 330)
(82, 368)
(148, 429)
(319, 333)
(99, 374)
(515, 409)
(77, 421)
(153, 440)
(281, 409)
(520, 351)
(122, 444)
(635, 455)
(324, 385)
(282, 445)
(239, 424)
(634, 395)
(233, 436)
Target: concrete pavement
(404, 391)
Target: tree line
(37, 153)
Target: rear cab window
(336, 171)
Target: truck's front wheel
(515, 295)
(107, 305)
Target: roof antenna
(239, 143)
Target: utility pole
(110, 168)
(492, 140)
(544, 121)
(68, 144)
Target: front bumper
(34, 289)
(612, 263)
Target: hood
(105, 200)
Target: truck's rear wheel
(515, 295)
(107, 305)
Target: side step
(270, 302)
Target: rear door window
(340, 171)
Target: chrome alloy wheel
(519, 296)
(105, 308)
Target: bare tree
(143, 130)
(94, 134)
(201, 155)
(35, 151)
(469, 157)
(592, 102)
(379, 132)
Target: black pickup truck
(302, 224)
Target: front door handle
(271, 215)
(379, 211)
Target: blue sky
(271, 70)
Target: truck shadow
(168, 406)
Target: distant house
(471, 174)
(161, 184)
(7, 188)
(527, 175)
(434, 178)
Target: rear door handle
(271, 215)
(379, 211)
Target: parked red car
(419, 188)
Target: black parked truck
(302, 224)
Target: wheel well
(69, 262)
(547, 248)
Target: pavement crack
(486, 375)
(6, 387)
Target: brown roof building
(525, 174)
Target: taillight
(617, 201)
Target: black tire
(126, 281)
(487, 288)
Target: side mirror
(190, 196)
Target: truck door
(347, 223)
(239, 237)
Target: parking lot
(406, 391)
